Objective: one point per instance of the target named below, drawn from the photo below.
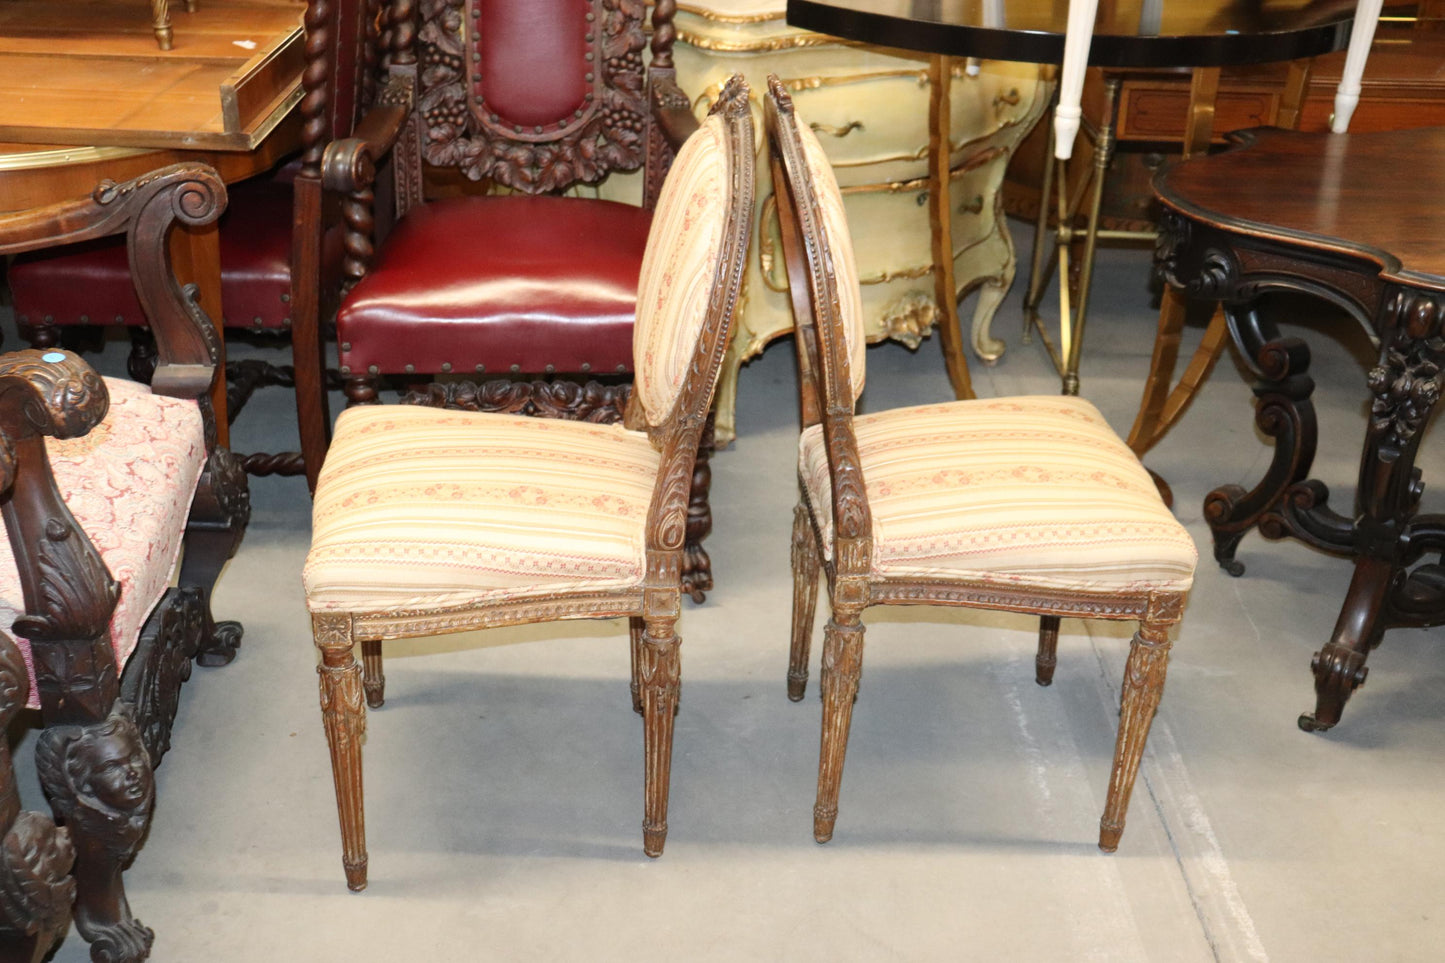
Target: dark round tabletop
(1127, 33)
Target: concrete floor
(504, 780)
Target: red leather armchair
(534, 97)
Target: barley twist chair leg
(1143, 686)
(660, 671)
(842, 667)
(343, 713)
(805, 599)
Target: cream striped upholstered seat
(427, 509)
(429, 521)
(1021, 491)
(1028, 504)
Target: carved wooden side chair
(1027, 504)
(129, 481)
(429, 521)
(536, 97)
(59, 288)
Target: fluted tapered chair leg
(842, 667)
(344, 715)
(373, 678)
(1047, 658)
(1143, 686)
(805, 599)
(661, 679)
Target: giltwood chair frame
(826, 398)
(653, 607)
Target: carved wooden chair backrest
(536, 95)
(827, 301)
(345, 54)
(691, 278)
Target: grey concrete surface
(504, 775)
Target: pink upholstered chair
(1028, 504)
(110, 483)
(429, 521)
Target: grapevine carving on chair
(461, 130)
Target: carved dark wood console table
(1351, 219)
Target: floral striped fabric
(425, 508)
(1024, 491)
(129, 484)
(679, 268)
(843, 265)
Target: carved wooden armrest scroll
(349, 164)
(145, 209)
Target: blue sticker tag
(52, 356)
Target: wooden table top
(1375, 195)
(1127, 33)
(88, 72)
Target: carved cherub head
(99, 775)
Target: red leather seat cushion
(90, 283)
(512, 283)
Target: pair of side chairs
(430, 521)
(120, 511)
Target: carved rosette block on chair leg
(344, 717)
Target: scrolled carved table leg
(1405, 386)
(1285, 413)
